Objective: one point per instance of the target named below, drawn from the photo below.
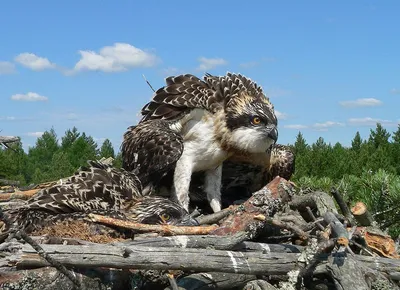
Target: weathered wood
(163, 258)
(343, 206)
(337, 229)
(215, 217)
(318, 201)
(347, 273)
(187, 241)
(361, 214)
(138, 257)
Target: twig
(310, 213)
(56, 264)
(343, 207)
(148, 83)
(215, 217)
(163, 229)
(276, 222)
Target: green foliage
(107, 149)
(50, 159)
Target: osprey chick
(193, 125)
(102, 189)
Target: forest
(368, 170)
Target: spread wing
(185, 92)
(180, 94)
(282, 162)
(96, 187)
(150, 149)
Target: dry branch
(162, 229)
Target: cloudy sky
(330, 67)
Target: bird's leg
(182, 177)
(212, 187)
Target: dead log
(9, 182)
(265, 202)
(361, 214)
(163, 258)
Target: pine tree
(69, 138)
(107, 149)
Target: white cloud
(366, 102)
(6, 68)
(34, 62)
(395, 91)
(8, 118)
(29, 97)
(328, 124)
(34, 134)
(210, 63)
(280, 115)
(116, 58)
(368, 121)
(295, 126)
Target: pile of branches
(277, 239)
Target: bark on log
(267, 201)
(361, 214)
(9, 182)
(162, 258)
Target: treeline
(368, 170)
(52, 158)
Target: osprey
(194, 125)
(98, 188)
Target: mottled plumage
(98, 188)
(197, 125)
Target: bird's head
(159, 210)
(252, 121)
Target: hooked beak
(188, 221)
(273, 134)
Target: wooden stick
(343, 206)
(18, 195)
(162, 229)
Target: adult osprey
(98, 188)
(193, 125)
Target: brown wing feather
(282, 162)
(150, 149)
(97, 187)
(185, 92)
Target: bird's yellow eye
(165, 217)
(256, 120)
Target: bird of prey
(194, 125)
(98, 188)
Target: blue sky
(329, 67)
